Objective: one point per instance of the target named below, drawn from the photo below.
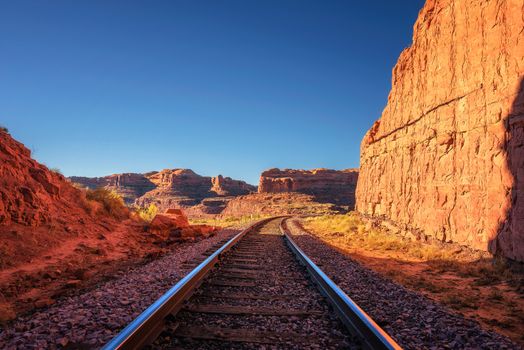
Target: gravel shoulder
(413, 320)
(92, 318)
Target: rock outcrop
(176, 188)
(170, 188)
(129, 185)
(174, 225)
(226, 186)
(290, 203)
(446, 158)
(326, 185)
(39, 208)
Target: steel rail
(148, 325)
(354, 318)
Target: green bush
(3, 128)
(111, 201)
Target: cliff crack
(423, 115)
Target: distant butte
(325, 185)
(171, 188)
(207, 196)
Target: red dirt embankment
(39, 208)
(52, 238)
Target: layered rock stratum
(172, 188)
(325, 185)
(446, 158)
(129, 185)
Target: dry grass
(56, 170)
(111, 202)
(352, 233)
(147, 214)
(228, 221)
(490, 290)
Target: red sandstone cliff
(226, 186)
(326, 185)
(130, 185)
(447, 157)
(172, 188)
(39, 208)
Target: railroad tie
(241, 335)
(250, 310)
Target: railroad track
(257, 290)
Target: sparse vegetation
(147, 214)
(460, 301)
(56, 170)
(229, 221)
(350, 232)
(111, 202)
(3, 128)
(467, 281)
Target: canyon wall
(325, 185)
(130, 185)
(39, 208)
(172, 188)
(446, 158)
(285, 203)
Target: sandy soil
(79, 262)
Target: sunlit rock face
(129, 185)
(172, 188)
(325, 185)
(447, 155)
(39, 208)
(226, 186)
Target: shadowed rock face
(325, 185)
(445, 158)
(171, 188)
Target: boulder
(163, 224)
(174, 225)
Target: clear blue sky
(229, 87)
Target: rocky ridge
(172, 188)
(447, 157)
(267, 204)
(325, 185)
(39, 208)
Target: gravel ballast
(294, 314)
(413, 320)
(92, 318)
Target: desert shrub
(56, 170)
(111, 201)
(3, 128)
(147, 214)
(228, 221)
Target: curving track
(259, 295)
